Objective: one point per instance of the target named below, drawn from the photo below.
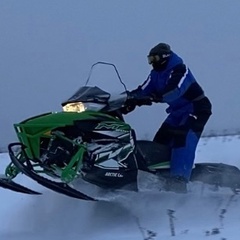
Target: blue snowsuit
(189, 110)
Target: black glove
(157, 99)
(134, 100)
(143, 100)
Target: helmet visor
(153, 58)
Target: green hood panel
(31, 130)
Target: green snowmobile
(90, 140)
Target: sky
(201, 214)
(48, 47)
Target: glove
(157, 99)
(134, 100)
(144, 101)
(135, 95)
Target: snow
(200, 214)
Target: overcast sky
(47, 49)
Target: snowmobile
(90, 140)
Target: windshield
(89, 94)
(102, 87)
(108, 102)
(105, 76)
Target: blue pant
(182, 158)
(182, 133)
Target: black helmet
(159, 54)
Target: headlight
(81, 107)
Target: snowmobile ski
(11, 185)
(59, 187)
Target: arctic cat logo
(113, 174)
(115, 126)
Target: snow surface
(201, 214)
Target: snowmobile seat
(151, 153)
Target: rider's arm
(177, 84)
(144, 89)
(138, 97)
(149, 89)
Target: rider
(170, 81)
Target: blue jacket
(174, 85)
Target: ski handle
(12, 170)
